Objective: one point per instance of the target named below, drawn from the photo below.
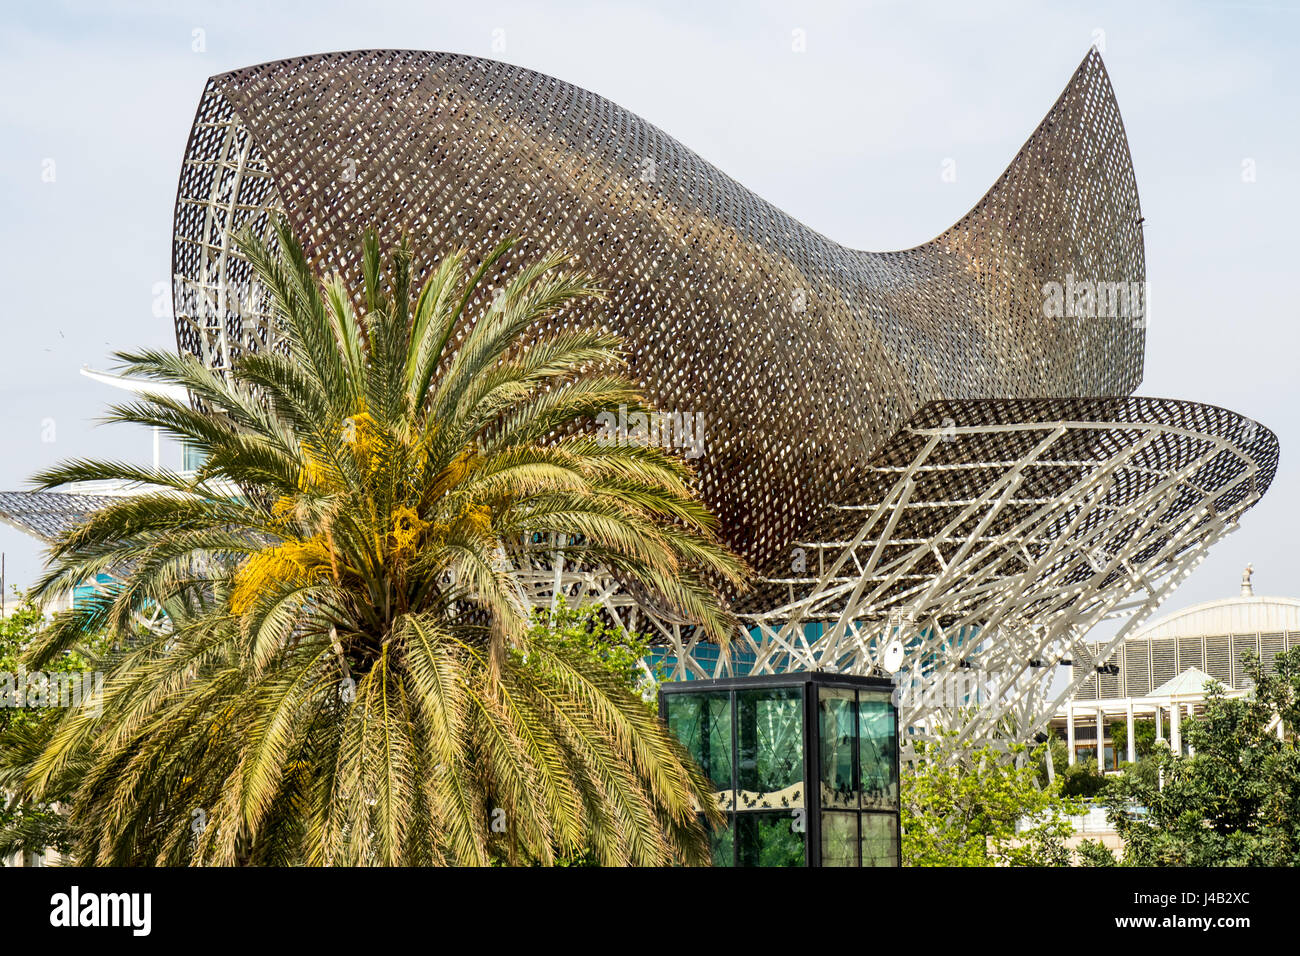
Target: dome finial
(1247, 589)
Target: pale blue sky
(849, 136)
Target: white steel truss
(1001, 592)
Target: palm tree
(347, 675)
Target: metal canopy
(909, 446)
(48, 516)
(803, 357)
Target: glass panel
(769, 731)
(702, 722)
(835, 717)
(879, 840)
(839, 839)
(722, 842)
(769, 839)
(877, 753)
(191, 458)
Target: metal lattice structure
(990, 539)
(896, 441)
(48, 516)
(796, 350)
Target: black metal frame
(811, 742)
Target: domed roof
(1247, 614)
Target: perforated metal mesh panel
(1190, 654)
(1270, 645)
(920, 443)
(1108, 685)
(1242, 644)
(1221, 659)
(225, 185)
(988, 436)
(48, 516)
(1085, 672)
(1137, 669)
(802, 356)
(1218, 660)
(1164, 663)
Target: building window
(1084, 752)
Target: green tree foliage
(18, 631)
(584, 632)
(964, 809)
(1236, 802)
(1082, 779)
(348, 677)
(1144, 738)
(1094, 853)
(29, 826)
(1054, 747)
